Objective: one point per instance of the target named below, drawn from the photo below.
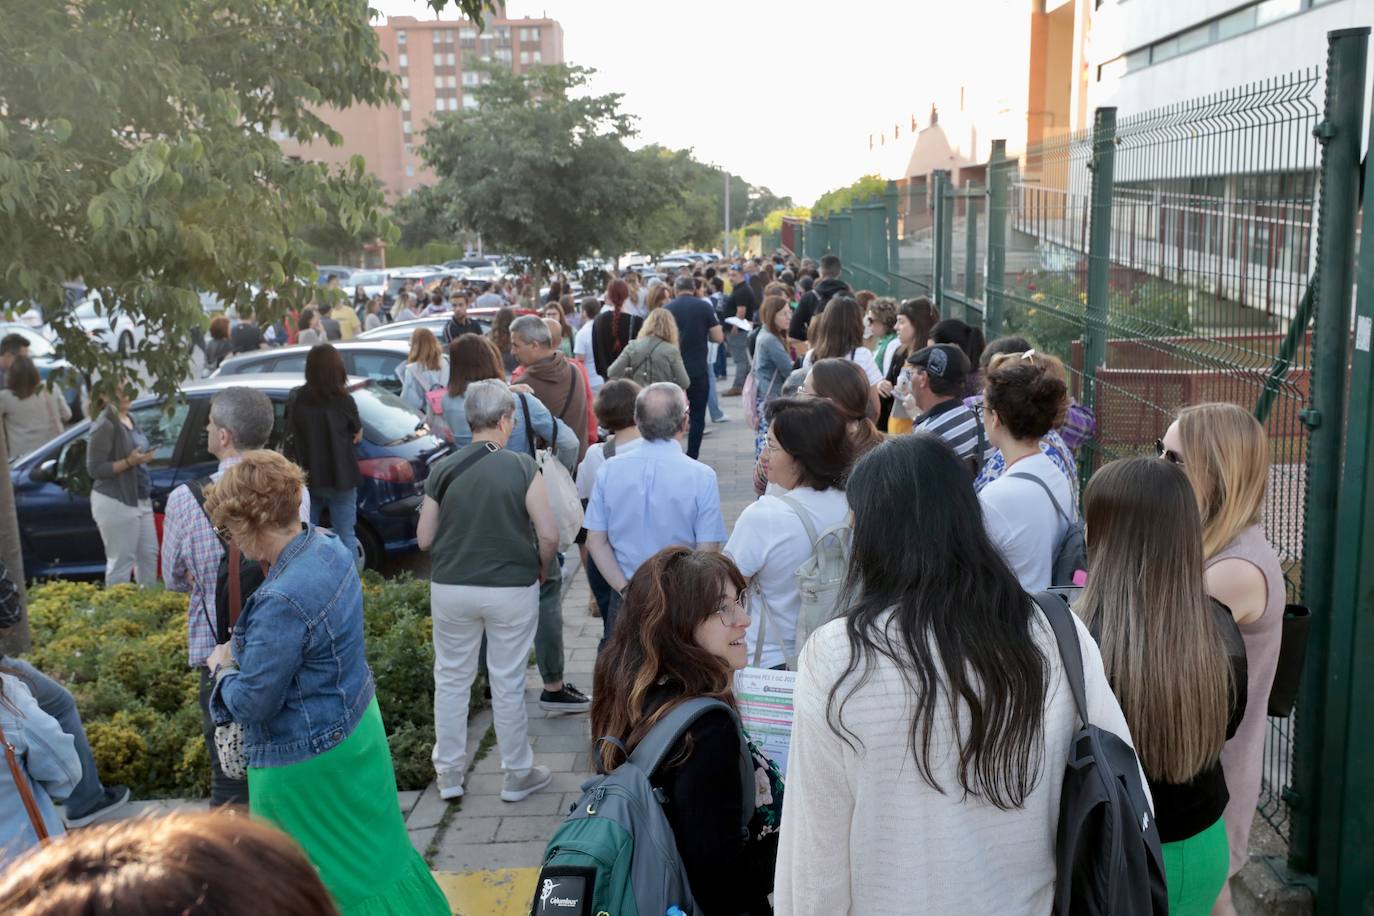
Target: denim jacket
(47, 755)
(303, 682)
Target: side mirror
(45, 472)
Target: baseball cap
(944, 361)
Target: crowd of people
(932, 714)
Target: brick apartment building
(435, 60)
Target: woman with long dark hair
(968, 338)
(915, 318)
(1145, 600)
(322, 427)
(932, 720)
(839, 334)
(500, 336)
(30, 413)
(612, 331)
(680, 634)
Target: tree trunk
(16, 639)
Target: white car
(119, 332)
(373, 282)
(484, 273)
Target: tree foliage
(862, 189)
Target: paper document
(765, 709)
(740, 323)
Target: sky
(784, 94)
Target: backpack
(1107, 852)
(820, 577)
(567, 505)
(615, 852)
(250, 575)
(642, 372)
(750, 397)
(1070, 557)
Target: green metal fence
(1199, 252)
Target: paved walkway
(486, 852)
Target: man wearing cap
(936, 399)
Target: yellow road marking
(493, 892)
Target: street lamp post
(725, 247)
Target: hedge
(122, 653)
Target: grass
(454, 807)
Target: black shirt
(813, 303)
(455, 329)
(610, 335)
(695, 318)
(1186, 809)
(320, 439)
(729, 873)
(742, 297)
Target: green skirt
(342, 808)
(1195, 870)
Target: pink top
(1243, 756)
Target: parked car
(52, 488)
(373, 282)
(334, 270)
(118, 332)
(398, 279)
(673, 263)
(372, 359)
(401, 330)
(48, 363)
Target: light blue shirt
(651, 498)
(542, 422)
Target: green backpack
(615, 855)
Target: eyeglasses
(1167, 454)
(730, 612)
(222, 532)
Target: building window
(524, 57)
(405, 127)
(469, 103)
(405, 60)
(471, 78)
(410, 149)
(448, 36)
(410, 171)
(405, 84)
(401, 37)
(537, 57)
(503, 55)
(534, 34)
(405, 104)
(451, 59)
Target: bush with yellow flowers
(122, 653)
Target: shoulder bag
(21, 782)
(563, 498)
(229, 738)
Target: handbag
(229, 738)
(563, 498)
(1292, 654)
(21, 781)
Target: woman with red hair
(613, 330)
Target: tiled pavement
(486, 851)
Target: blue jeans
(601, 589)
(718, 370)
(57, 701)
(713, 400)
(343, 514)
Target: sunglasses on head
(1167, 454)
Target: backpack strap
(648, 755)
(608, 447)
(1056, 611)
(573, 379)
(529, 424)
(804, 516)
(1042, 485)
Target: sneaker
(720, 419)
(521, 784)
(732, 393)
(450, 785)
(115, 797)
(593, 608)
(569, 699)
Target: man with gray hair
(240, 420)
(484, 580)
(651, 498)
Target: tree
(864, 188)
(137, 155)
(540, 168)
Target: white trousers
(130, 539)
(462, 614)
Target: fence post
(890, 235)
(938, 179)
(1102, 165)
(947, 205)
(971, 241)
(1320, 778)
(999, 179)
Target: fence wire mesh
(1211, 252)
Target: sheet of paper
(740, 323)
(765, 706)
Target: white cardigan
(863, 833)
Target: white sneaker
(520, 784)
(450, 785)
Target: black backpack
(250, 575)
(1107, 854)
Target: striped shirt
(954, 422)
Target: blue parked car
(52, 488)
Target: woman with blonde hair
(1225, 453)
(656, 299)
(1145, 601)
(425, 370)
(294, 675)
(654, 356)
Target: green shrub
(122, 652)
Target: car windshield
(387, 419)
(372, 279)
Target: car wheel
(126, 344)
(370, 546)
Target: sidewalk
(486, 852)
